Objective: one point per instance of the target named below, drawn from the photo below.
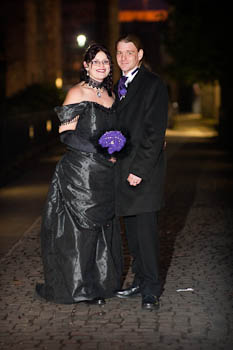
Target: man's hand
(134, 180)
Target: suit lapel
(133, 88)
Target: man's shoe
(128, 292)
(96, 301)
(150, 302)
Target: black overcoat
(143, 112)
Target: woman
(80, 243)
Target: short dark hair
(130, 38)
(89, 55)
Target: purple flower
(114, 140)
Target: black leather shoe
(128, 292)
(96, 301)
(150, 302)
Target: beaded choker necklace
(96, 85)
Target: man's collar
(131, 72)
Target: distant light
(143, 15)
(31, 131)
(175, 105)
(81, 40)
(48, 125)
(59, 83)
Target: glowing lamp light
(143, 10)
(48, 125)
(31, 132)
(59, 83)
(81, 40)
(143, 15)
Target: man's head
(129, 53)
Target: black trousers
(143, 242)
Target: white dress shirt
(130, 75)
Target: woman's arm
(74, 95)
(69, 125)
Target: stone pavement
(22, 198)
(196, 236)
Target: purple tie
(122, 90)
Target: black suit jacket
(143, 112)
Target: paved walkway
(22, 200)
(196, 240)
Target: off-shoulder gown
(80, 239)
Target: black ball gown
(80, 239)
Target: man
(142, 106)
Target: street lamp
(81, 40)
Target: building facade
(30, 50)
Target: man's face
(128, 57)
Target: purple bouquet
(113, 140)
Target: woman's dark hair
(89, 55)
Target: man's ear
(140, 54)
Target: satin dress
(80, 239)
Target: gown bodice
(93, 120)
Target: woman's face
(99, 68)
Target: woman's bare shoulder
(75, 94)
